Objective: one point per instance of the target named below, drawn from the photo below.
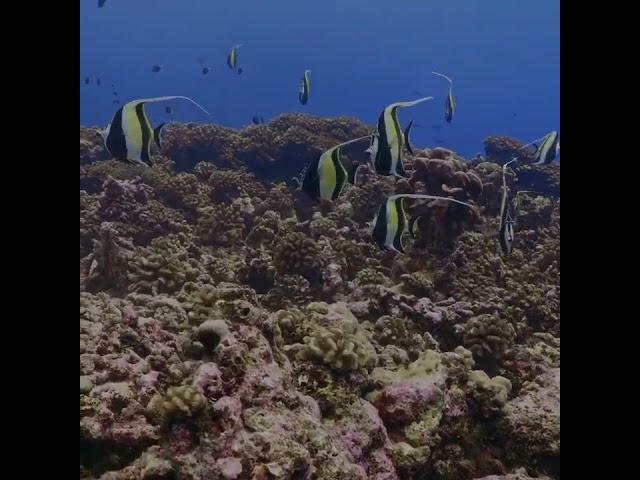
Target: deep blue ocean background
(503, 56)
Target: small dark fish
(515, 114)
(256, 120)
(86, 80)
(98, 82)
(101, 3)
(114, 93)
(168, 110)
(156, 68)
(240, 71)
(205, 70)
(261, 119)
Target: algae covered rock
(183, 401)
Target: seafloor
(230, 328)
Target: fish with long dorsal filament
(129, 135)
(325, 177)
(390, 223)
(305, 88)
(388, 141)
(450, 102)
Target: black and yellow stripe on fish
(326, 177)
(389, 140)
(506, 233)
(390, 223)
(129, 135)
(548, 149)
(450, 101)
(232, 58)
(305, 88)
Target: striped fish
(388, 140)
(390, 223)
(506, 233)
(450, 102)
(157, 134)
(232, 58)
(129, 135)
(305, 88)
(548, 149)
(325, 177)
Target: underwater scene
(319, 240)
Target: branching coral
(183, 401)
(163, 266)
(488, 337)
(298, 254)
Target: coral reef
(231, 328)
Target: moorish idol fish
(406, 137)
(450, 102)
(390, 223)
(506, 232)
(232, 58)
(388, 140)
(128, 137)
(325, 177)
(548, 149)
(101, 3)
(157, 134)
(305, 88)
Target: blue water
(503, 56)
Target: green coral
(417, 283)
(490, 394)
(221, 224)
(488, 336)
(176, 402)
(371, 276)
(204, 301)
(336, 339)
(163, 266)
(401, 332)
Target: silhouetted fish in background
(257, 120)
(86, 80)
(98, 82)
(305, 88)
(101, 3)
(168, 110)
(205, 70)
(232, 59)
(156, 68)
